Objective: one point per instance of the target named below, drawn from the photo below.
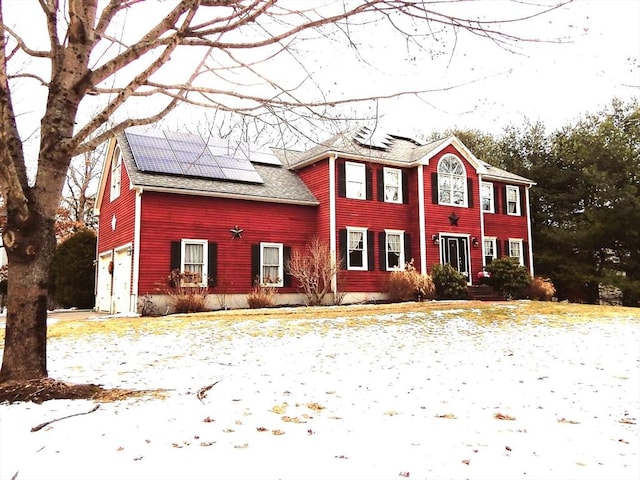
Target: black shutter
(434, 188)
(407, 247)
(255, 264)
(405, 186)
(507, 252)
(212, 275)
(342, 246)
(380, 183)
(370, 255)
(498, 249)
(175, 256)
(286, 257)
(369, 182)
(521, 189)
(496, 203)
(525, 253)
(342, 180)
(504, 200)
(382, 251)
(470, 192)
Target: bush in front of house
(185, 292)
(508, 277)
(450, 284)
(261, 296)
(73, 271)
(408, 285)
(541, 289)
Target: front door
(455, 252)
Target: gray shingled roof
(280, 185)
(500, 174)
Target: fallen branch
(42, 425)
(202, 393)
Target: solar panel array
(373, 139)
(187, 154)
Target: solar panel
(187, 154)
(373, 139)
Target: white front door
(121, 302)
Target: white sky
(550, 82)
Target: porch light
(474, 242)
(435, 239)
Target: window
(515, 250)
(394, 248)
(487, 197)
(116, 174)
(452, 181)
(392, 185)
(193, 265)
(489, 252)
(355, 174)
(513, 200)
(357, 249)
(271, 264)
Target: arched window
(452, 181)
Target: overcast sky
(546, 81)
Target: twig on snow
(202, 393)
(44, 424)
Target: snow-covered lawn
(429, 394)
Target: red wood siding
(376, 216)
(316, 177)
(124, 210)
(171, 217)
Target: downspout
(481, 219)
(136, 252)
(422, 221)
(529, 233)
(332, 224)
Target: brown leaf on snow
(316, 407)
(564, 420)
(244, 445)
(404, 474)
(622, 440)
(208, 420)
(277, 432)
(292, 419)
(507, 448)
(447, 415)
(261, 429)
(503, 416)
(628, 421)
(280, 409)
(466, 461)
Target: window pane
(355, 180)
(356, 249)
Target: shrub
(508, 277)
(261, 296)
(541, 289)
(410, 285)
(449, 283)
(186, 295)
(314, 269)
(73, 271)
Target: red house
(171, 201)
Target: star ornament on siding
(453, 219)
(236, 232)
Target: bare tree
(137, 60)
(80, 192)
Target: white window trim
(465, 193)
(365, 253)
(386, 250)
(280, 282)
(355, 173)
(398, 172)
(517, 190)
(491, 208)
(116, 174)
(520, 243)
(494, 242)
(205, 259)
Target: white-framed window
(116, 174)
(452, 181)
(513, 200)
(487, 197)
(489, 250)
(194, 262)
(271, 264)
(355, 177)
(357, 249)
(392, 185)
(515, 250)
(394, 250)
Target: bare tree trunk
(25, 352)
